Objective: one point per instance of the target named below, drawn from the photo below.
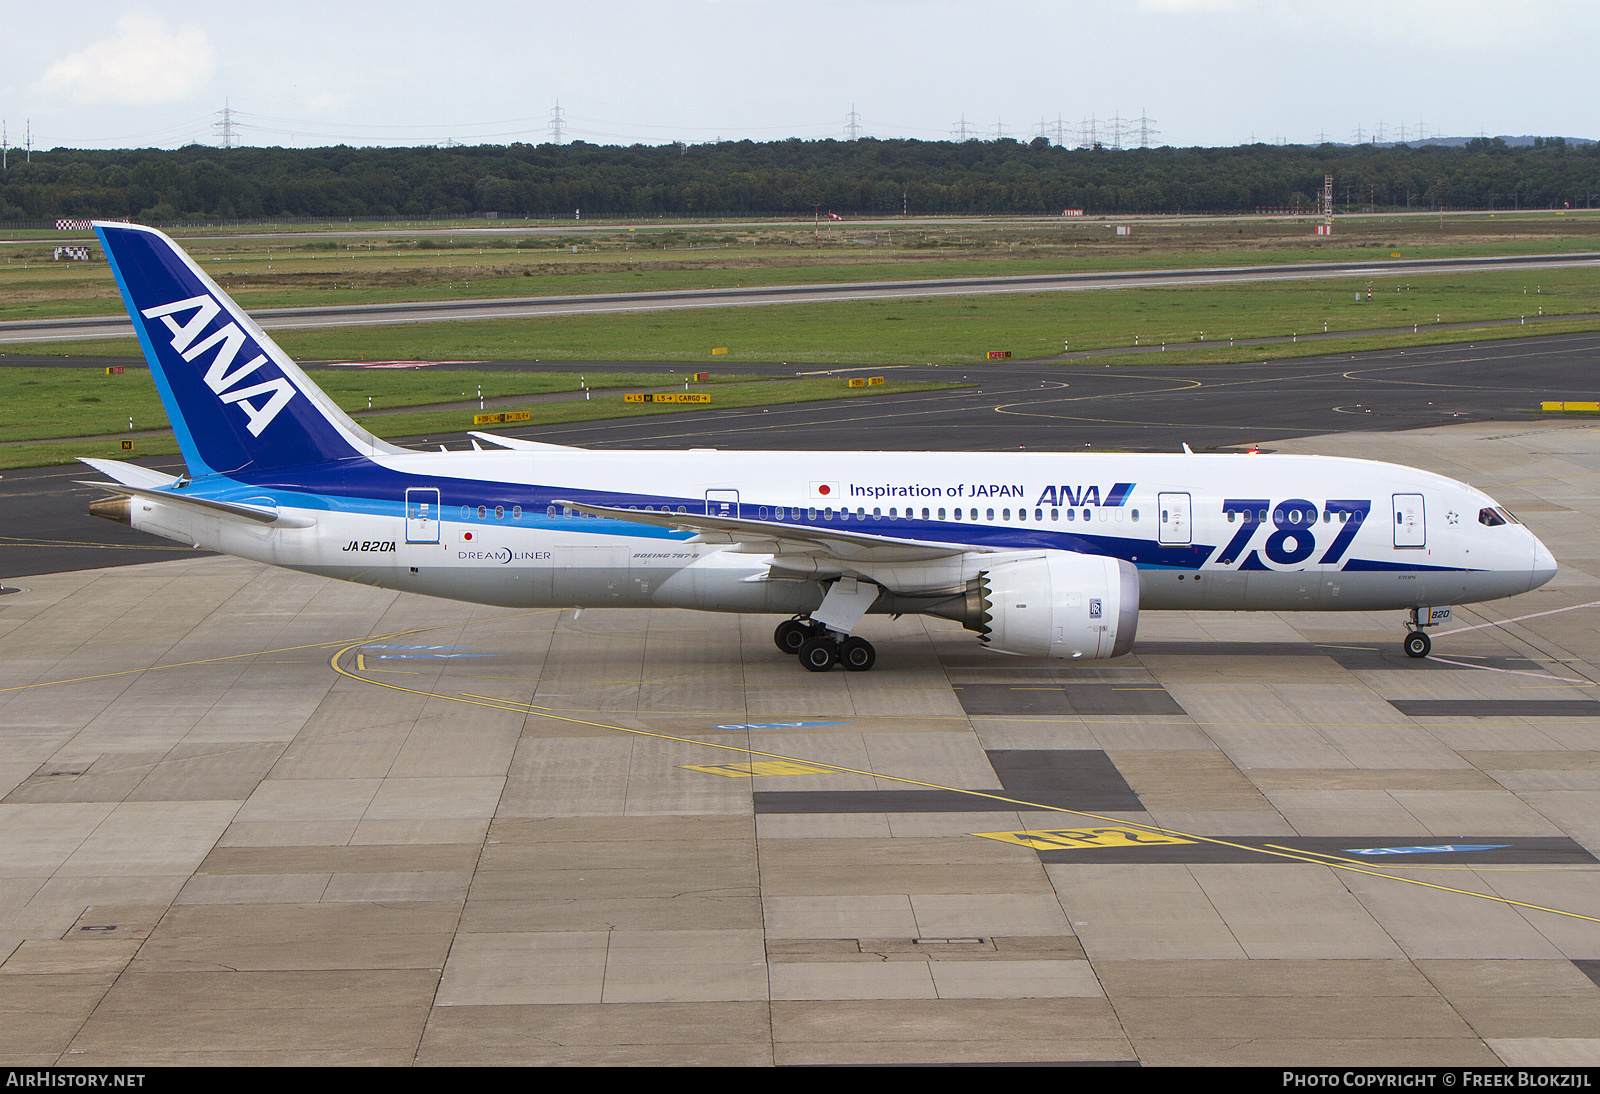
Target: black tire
(857, 654)
(791, 635)
(819, 654)
(1418, 644)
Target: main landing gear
(819, 649)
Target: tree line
(784, 178)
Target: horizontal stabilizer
(261, 514)
(130, 474)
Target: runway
(21, 331)
(256, 817)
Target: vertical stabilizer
(236, 401)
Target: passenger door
(1410, 526)
(1174, 517)
(422, 514)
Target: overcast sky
(1207, 72)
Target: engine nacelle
(1060, 604)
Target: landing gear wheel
(857, 654)
(791, 635)
(1418, 644)
(819, 654)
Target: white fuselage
(1224, 532)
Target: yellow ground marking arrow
(1079, 839)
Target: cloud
(142, 65)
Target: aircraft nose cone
(1544, 565)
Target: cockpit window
(1490, 518)
(1508, 514)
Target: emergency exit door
(722, 503)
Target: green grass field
(81, 402)
(952, 330)
(54, 403)
(329, 268)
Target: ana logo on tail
(221, 377)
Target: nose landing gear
(1417, 643)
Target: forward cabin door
(1410, 527)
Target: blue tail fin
(236, 401)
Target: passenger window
(483, 512)
(1136, 516)
(681, 509)
(958, 514)
(877, 514)
(1038, 514)
(466, 512)
(550, 511)
(924, 514)
(827, 514)
(763, 512)
(1489, 518)
(516, 512)
(892, 514)
(1005, 514)
(811, 514)
(499, 512)
(941, 514)
(1072, 514)
(991, 514)
(1055, 514)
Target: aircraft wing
(759, 536)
